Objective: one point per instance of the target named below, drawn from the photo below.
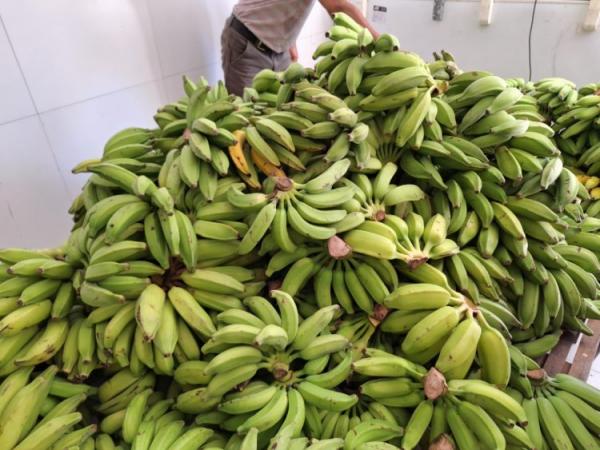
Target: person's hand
(294, 53)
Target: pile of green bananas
(370, 254)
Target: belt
(250, 36)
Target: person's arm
(333, 6)
(294, 52)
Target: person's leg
(241, 60)
(225, 44)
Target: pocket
(238, 45)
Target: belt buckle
(261, 47)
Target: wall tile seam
(163, 93)
(35, 107)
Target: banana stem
(403, 249)
(285, 184)
(451, 398)
(483, 323)
(338, 248)
(456, 299)
(463, 308)
(416, 259)
(434, 384)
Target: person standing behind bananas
(261, 34)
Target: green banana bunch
(293, 208)
(377, 198)
(270, 339)
(336, 276)
(561, 412)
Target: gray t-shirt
(277, 23)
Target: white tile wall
(173, 84)
(33, 196)
(559, 46)
(562, 48)
(75, 71)
(318, 22)
(306, 45)
(188, 32)
(16, 101)
(74, 50)
(474, 46)
(312, 34)
(78, 132)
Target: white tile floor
(594, 378)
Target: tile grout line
(58, 167)
(37, 112)
(161, 79)
(35, 107)
(14, 53)
(190, 69)
(95, 97)
(155, 45)
(28, 116)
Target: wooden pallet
(587, 350)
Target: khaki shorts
(241, 60)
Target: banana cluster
(333, 275)
(555, 95)
(579, 139)
(41, 411)
(196, 136)
(144, 417)
(438, 325)
(38, 302)
(443, 67)
(309, 210)
(456, 414)
(521, 365)
(562, 411)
